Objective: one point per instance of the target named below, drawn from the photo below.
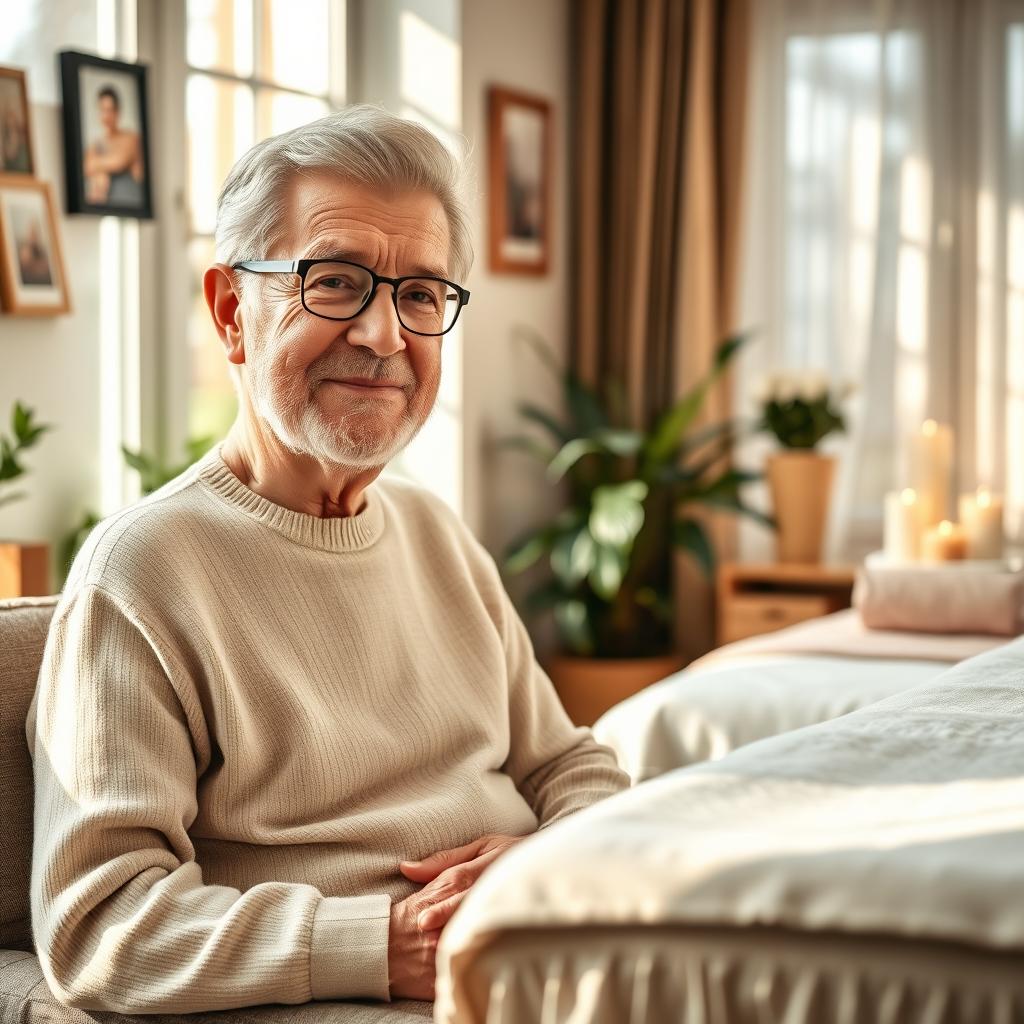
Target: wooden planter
(24, 569)
(588, 687)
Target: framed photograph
(16, 155)
(519, 177)
(32, 278)
(106, 136)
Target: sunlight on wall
(430, 70)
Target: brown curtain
(658, 95)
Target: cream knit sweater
(246, 717)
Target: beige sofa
(24, 994)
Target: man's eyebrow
(330, 251)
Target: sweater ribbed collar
(331, 533)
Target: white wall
(52, 363)
(523, 46)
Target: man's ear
(226, 309)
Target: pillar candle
(982, 516)
(902, 530)
(931, 471)
(946, 542)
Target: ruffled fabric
(744, 978)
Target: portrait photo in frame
(16, 153)
(106, 136)
(520, 160)
(32, 275)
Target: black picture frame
(96, 194)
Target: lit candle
(931, 471)
(902, 529)
(946, 542)
(982, 516)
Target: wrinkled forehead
(390, 229)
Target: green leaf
(619, 442)
(529, 445)
(605, 577)
(584, 405)
(728, 483)
(732, 503)
(572, 556)
(74, 540)
(10, 468)
(21, 421)
(137, 461)
(196, 448)
(522, 553)
(672, 424)
(571, 619)
(617, 512)
(569, 454)
(544, 419)
(691, 536)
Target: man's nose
(377, 327)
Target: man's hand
(449, 875)
(411, 952)
(416, 921)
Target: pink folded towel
(937, 599)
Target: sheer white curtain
(884, 171)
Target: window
(885, 235)
(857, 231)
(254, 68)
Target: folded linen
(941, 600)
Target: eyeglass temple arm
(268, 266)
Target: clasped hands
(448, 875)
(416, 921)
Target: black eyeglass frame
(301, 267)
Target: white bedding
(903, 821)
(704, 713)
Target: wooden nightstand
(755, 599)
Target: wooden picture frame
(520, 162)
(17, 155)
(33, 279)
(107, 167)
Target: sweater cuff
(348, 948)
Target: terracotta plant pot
(801, 488)
(588, 687)
(24, 569)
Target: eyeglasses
(340, 290)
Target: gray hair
(360, 143)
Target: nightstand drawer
(753, 614)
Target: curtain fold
(659, 96)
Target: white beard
(359, 439)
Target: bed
(869, 868)
(766, 685)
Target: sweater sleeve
(558, 767)
(120, 916)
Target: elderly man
(287, 713)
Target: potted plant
(24, 568)
(631, 495)
(800, 410)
